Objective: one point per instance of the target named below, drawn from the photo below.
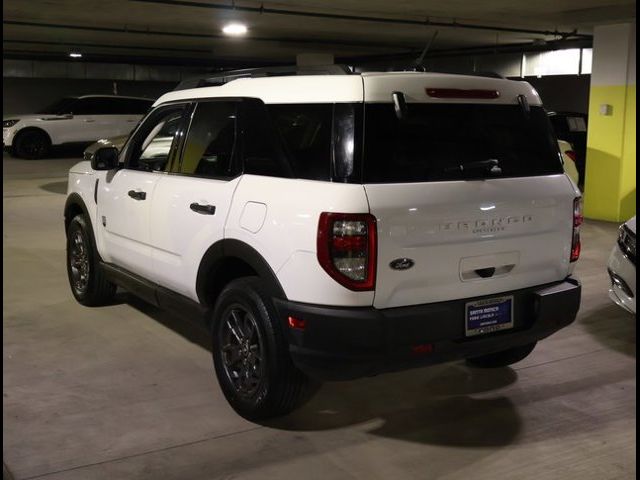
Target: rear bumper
(349, 343)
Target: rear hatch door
(469, 196)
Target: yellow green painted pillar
(610, 179)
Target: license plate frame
(488, 315)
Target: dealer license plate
(488, 315)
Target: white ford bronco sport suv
(330, 227)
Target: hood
(631, 224)
(117, 142)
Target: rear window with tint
(435, 140)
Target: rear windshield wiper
(491, 166)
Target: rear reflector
(459, 93)
(423, 349)
(296, 323)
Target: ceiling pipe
(484, 50)
(209, 64)
(146, 32)
(364, 18)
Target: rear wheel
(250, 354)
(32, 144)
(503, 358)
(87, 280)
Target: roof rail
(488, 74)
(227, 76)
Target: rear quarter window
(305, 130)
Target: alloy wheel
(79, 262)
(243, 353)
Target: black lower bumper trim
(348, 343)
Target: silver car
(622, 267)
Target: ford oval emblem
(402, 264)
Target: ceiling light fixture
(75, 55)
(234, 29)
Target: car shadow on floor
(433, 405)
(55, 187)
(612, 326)
(192, 330)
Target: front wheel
(251, 356)
(502, 358)
(87, 280)
(32, 144)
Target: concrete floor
(128, 391)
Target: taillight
(347, 249)
(571, 154)
(578, 218)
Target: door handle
(89, 120)
(138, 195)
(203, 209)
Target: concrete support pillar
(610, 182)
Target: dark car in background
(572, 127)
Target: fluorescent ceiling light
(75, 55)
(235, 29)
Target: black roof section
(227, 76)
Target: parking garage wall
(569, 93)
(29, 85)
(28, 95)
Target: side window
(261, 153)
(119, 106)
(210, 146)
(306, 132)
(132, 106)
(151, 148)
(93, 106)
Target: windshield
(437, 141)
(61, 107)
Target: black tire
(31, 144)
(502, 358)
(261, 382)
(87, 280)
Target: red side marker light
(423, 349)
(296, 323)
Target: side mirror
(105, 158)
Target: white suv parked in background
(72, 120)
(334, 227)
